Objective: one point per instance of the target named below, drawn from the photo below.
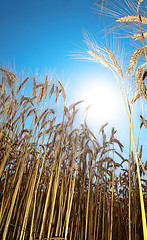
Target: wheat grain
(134, 59)
(34, 87)
(99, 58)
(140, 81)
(115, 62)
(51, 91)
(140, 1)
(132, 19)
(25, 110)
(44, 118)
(63, 90)
(9, 74)
(75, 104)
(144, 122)
(29, 113)
(40, 96)
(3, 90)
(138, 35)
(41, 85)
(8, 108)
(57, 93)
(45, 88)
(44, 124)
(35, 117)
(41, 116)
(21, 85)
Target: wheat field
(59, 181)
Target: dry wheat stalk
(22, 132)
(44, 112)
(3, 89)
(134, 59)
(25, 110)
(45, 88)
(115, 63)
(9, 74)
(82, 167)
(7, 98)
(29, 113)
(140, 1)
(39, 85)
(21, 85)
(132, 19)
(57, 93)
(44, 118)
(99, 58)
(75, 104)
(51, 91)
(63, 90)
(44, 124)
(34, 87)
(11, 84)
(140, 81)
(143, 121)
(35, 117)
(16, 121)
(138, 35)
(22, 99)
(8, 107)
(40, 96)
(14, 111)
(28, 100)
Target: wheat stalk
(132, 19)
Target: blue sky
(40, 35)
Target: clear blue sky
(39, 35)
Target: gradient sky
(40, 35)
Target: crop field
(59, 181)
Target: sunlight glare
(103, 102)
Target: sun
(101, 103)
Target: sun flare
(101, 102)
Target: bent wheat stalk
(129, 114)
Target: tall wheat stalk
(113, 63)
